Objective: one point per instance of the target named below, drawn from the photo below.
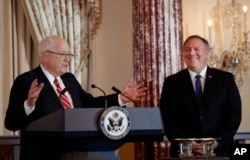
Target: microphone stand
(119, 92)
(106, 101)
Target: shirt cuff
(120, 101)
(27, 109)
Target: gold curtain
(157, 40)
(16, 50)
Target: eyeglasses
(62, 54)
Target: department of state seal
(115, 122)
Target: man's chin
(64, 71)
(193, 65)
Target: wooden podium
(74, 134)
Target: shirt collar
(202, 73)
(49, 76)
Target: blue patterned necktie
(198, 90)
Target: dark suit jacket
(48, 100)
(218, 116)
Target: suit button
(201, 117)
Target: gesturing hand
(134, 92)
(34, 93)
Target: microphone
(62, 92)
(106, 101)
(119, 92)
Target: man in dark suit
(34, 94)
(217, 114)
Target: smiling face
(195, 54)
(55, 55)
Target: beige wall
(111, 57)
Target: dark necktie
(63, 98)
(198, 90)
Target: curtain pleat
(157, 40)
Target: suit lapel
(48, 90)
(209, 85)
(188, 85)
